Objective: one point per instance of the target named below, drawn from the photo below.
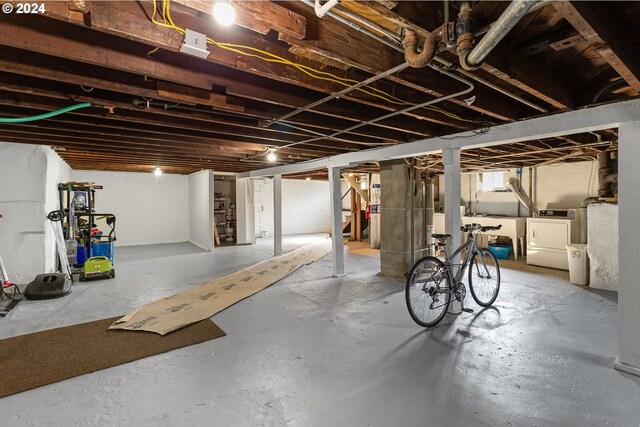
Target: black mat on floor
(41, 358)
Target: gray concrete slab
(313, 350)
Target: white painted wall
(149, 209)
(28, 178)
(306, 207)
(200, 207)
(23, 170)
(561, 186)
(603, 245)
(57, 171)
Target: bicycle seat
(440, 236)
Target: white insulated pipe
(509, 18)
(322, 9)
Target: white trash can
(578, 264)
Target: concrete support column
(336, 222)
(277, 214)
(629, 251)
(452, 220)
(401, 218)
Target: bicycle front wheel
(428, 291)
(484, 277)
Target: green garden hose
(45, 115)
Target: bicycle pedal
(468, 310)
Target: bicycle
(431, 283)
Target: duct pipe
(509, 18)
(514, 185)
(583, 217)
(322, 9)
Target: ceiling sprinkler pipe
(509, 18)
(322, 9)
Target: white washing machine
(547, 240)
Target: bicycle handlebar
(478, 227)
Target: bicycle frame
(457, 277)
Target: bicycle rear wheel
(484, 279)
(428, 291)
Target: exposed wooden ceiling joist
(595, 23)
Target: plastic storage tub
(500, 251)
(103, 249)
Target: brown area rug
(41, 358)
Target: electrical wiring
(263, 55)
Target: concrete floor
(313, 350)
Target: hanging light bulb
(271, 155)
(158, 172)
(224, 13)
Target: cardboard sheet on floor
(203, 301)
(46, 357)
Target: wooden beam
(259, 16)
(276, 93)
(355, 185)
(600, 28)
(530, 76)
(130, 21)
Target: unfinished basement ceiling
(153, 106)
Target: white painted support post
(336, 222)
(245, 212)
(277, 214)
(452, 220)
(628, 248)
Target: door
(548, 234)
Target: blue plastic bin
(500, 251)
(81, 258)
(102, 249)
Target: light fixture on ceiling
(271, 155)
(308, 178)
(157, 172)
(224, 13)
(363, 185)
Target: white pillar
(245, 212)
(336, 222)
(629, 250)
(452, 189)
(277, 214)
(452, 220)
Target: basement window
(490, 182)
